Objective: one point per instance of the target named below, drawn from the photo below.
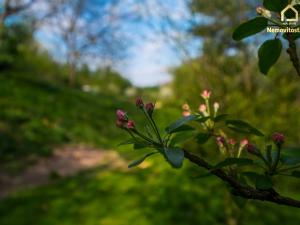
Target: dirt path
(65, 161)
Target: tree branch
(292, 51)
(246, 192)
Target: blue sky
(153, 53)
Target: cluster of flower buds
(149, 107)
(230, 145)
(123, 121)
(186, 110)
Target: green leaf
(220, 118)
(296, 174)
(182, 137)
(139, 161)
(202, 138)
(183, 128)
(179, 123)
(233, 161)
(275, 5)
(261, 181)
(128, 142)
(243, 127)
(140, 145)
(249, 28)
(174, 156)
(268, 54)
(203, 119)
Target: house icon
(289, 9)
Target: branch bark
(292, 51)
(247, 192)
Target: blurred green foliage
(155, 195)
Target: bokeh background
(66, 66)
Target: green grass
(35, 116)
(156, 195)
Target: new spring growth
(263, 12)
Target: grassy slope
(36, 116)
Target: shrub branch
(246, 192)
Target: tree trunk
(72, 74)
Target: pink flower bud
(278, 138)
(244, 142)
(119, 123)
(202, 108)
(205, 94)
(121, 115)
(149, 108)
(130, 124)
(252, 149)
(231, 141)
(186, 113)
(220, 141)
(186, 107)
(139, 102)
(216, 106)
